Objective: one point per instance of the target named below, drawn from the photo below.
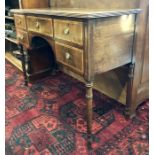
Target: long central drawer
(40, 25)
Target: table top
(77, 13)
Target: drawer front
(70, 57)
(68, 30)
(20, 21)
(40, 25)
(22, 37)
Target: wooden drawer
(68, 30)
(20, 21)
(41, 25)
(69, 56)
(22, 37)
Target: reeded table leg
(89, 98)
(23, 65)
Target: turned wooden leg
(89, 98)
(28, 59)
(23, 65)
(129, 110)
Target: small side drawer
(70, 57)
(20, 21)
(69, 30)
(22, 37)
(40, 25)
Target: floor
(49, 118)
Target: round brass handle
(67, 55)
(66, 31)
(21, 37)
(37, 25)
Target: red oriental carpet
(48, 118)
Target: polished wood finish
(34, 4)
(97, 54)
(23, 65)
(69, 30)
(129, 88)
(77, 13)
(20, 21)
(110, 52)
(88, 54)
(109, 38)
(89, 101)
(40, 25)
(22, 37)
(70, 57)
(143, 89)
(139, 90)
(145, 67)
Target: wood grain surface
(69, 30)
(22, 37)
(20, 21)
(41, 25)
(113, 42)
(70, 56)
(77, 13)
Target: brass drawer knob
(37, 25)
(67, 56)
(66, 31)
(21, 37)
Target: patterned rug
(49, 118)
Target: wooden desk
(87, 43)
